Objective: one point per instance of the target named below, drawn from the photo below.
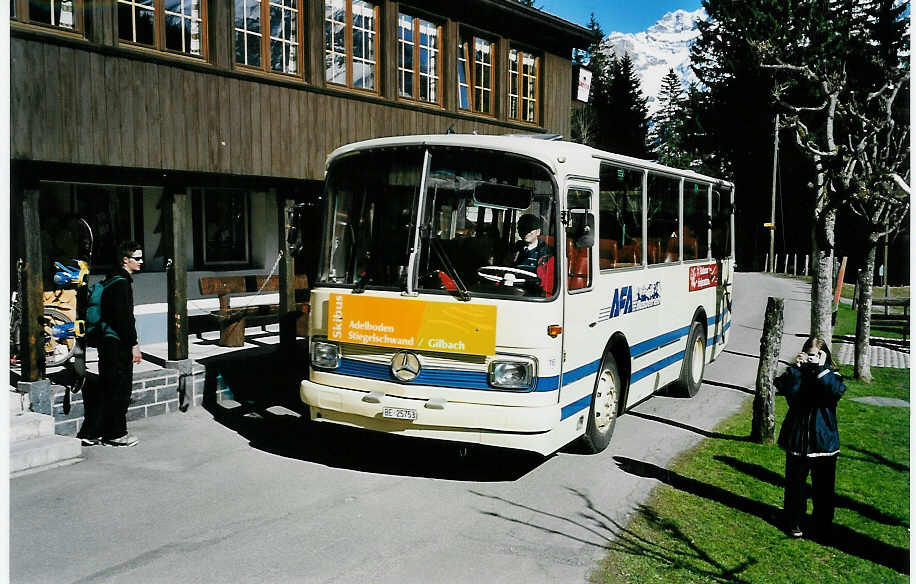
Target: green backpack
(96, 328)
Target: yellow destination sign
(412, 324)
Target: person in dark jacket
(812, 387)
(105, 417)
(529, 250)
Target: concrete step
(43, 453)
(29, 425)
(19, 403)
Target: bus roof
(564, 158)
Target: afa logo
(629, 299)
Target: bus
(512, 291)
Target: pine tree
(667, 139)
(592, 121)
(629, 126)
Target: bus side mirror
(583, 229)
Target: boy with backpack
(111, 327)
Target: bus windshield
(487, 228)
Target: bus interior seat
(608, 252)
(577, 259)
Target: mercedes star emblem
(405, 366)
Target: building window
(224, 226)
(282, 44)
(62, 14)
(418, 59)
(523, 86)
(177, 26)
(475, 75)
(350, 37)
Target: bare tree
(878, 175)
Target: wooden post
(287, 278)
(763, 425)
(31, 331)
(839, 282)
(178, 211)
(855, 290)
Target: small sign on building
(582, 83)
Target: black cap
(527, 223)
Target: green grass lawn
(846, 324)
(849, 289)
(716, 514)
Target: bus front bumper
(527, 428)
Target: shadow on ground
(841, 538)
(266, 410)
(595, 528)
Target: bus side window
(620, 217)
(580, 238)
(663, 227)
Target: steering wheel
(506, 276)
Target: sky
(616, 15)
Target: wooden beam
(31, 331)
(286, 285)
(177, 229)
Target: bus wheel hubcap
(605, 401)
(696, 369)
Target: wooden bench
(231, 320)
(886, 320)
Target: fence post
(795, 264)
(763, 424)
(766, 263)
(806, 264)
(785, 265)
(855, 289)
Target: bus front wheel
(694, 362)
(602, 414)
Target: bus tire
(694, 363)
(602, 414)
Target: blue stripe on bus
(430, 376)
(478, 380)
(640, 349)
(657, 366)
(586, 401)
(575, 407)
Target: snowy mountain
(665, 45)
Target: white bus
(434, 316)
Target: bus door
(721, 215)
(581, 303)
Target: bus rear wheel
(602, 414)
(694, 362)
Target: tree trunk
(763, 424)
(822, 239)
(863, 318)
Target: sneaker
(126, 440)
(795, 531)
(91, 441)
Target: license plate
(399, 413)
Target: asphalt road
(254, 495)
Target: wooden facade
(86, 99)
(90, 113)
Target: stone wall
(154, 393)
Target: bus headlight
(325, 355)
(511, 374)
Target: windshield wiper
(436, 244)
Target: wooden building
(118, 107)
